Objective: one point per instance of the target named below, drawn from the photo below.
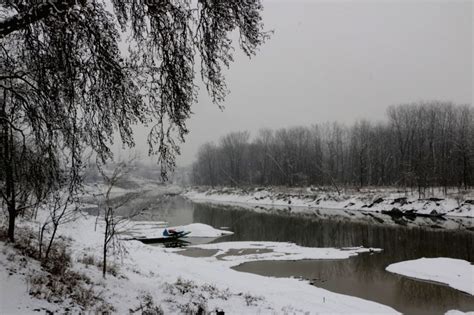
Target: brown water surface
(364, 275)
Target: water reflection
(399, 243)
(363, 276)
(172, 209)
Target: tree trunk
(104, 263)
(11, 223)
(9, 180)
(106, 235)
(51, 241)
(41, 237)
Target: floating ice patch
(456, 312)
(456, 273)
(235, 253)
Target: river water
(362, 276)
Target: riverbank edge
(384, 200)
(154, 276)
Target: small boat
(162, 240)
(169, 235)
(175, 234)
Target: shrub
(59, 260)
(26, 242)
(71, 285)
(147, 306)
(88, 260)
(112, 269)
(251, 299)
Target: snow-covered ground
(14, 297)
(180, 283)
(374, 201)
(456, 273)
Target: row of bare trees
(426, 144)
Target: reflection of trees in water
(431, 296)
(173, 209)
(406, 295)
(370, 280)
(399, 243)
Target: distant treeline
(419, 145)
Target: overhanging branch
(36, 13)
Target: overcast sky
(342, 60)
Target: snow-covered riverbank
(371, 201)
(175, 282)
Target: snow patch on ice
(456, 312)
(456, 273)
(235, 253)
(203, 230)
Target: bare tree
(65, 85)
(61, 210)
(234, 147)
(114, 223)
(263, 142)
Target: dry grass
(55, 282)
(147, 306)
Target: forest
(418, 145)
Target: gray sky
(342, 60)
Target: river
(362, 276)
